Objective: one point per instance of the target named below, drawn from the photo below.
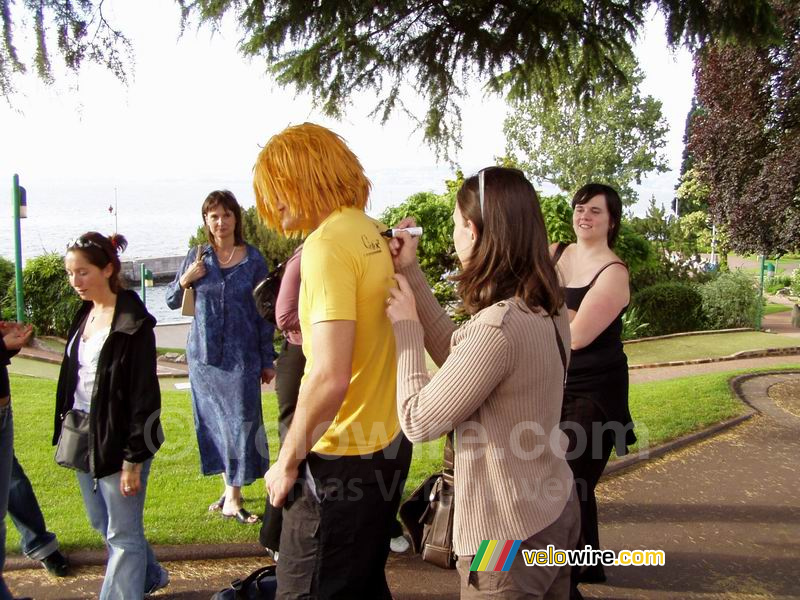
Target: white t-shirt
(88, 355)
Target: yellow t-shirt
(346, 272)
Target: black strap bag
(261, 584)
(73, 443)
(265, 294)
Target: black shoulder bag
(265, 293)
(73, 443)
(261, 584)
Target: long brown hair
(510, 257)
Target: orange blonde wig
(311, 170)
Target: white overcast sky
(196, 109)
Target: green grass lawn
(33, 368)
(665, 410)
(773, 308)
(178, 495)
(703, 346)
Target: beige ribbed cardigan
(500, 387)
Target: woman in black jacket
(109, 373)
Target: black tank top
(606, 349)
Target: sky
(197, 112)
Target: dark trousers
(288, 373)
(587, 467)
(335, 543)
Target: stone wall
(163, 268)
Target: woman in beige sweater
(499, 385)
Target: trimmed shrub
(796, 282)
(669, 307)
(731, 300)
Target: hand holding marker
(412, 231)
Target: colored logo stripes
(495, 555)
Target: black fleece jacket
(126, 404)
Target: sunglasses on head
(82, 242)
(481, 181)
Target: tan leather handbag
(187, 304)
(428, 514)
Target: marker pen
(412, 231)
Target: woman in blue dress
(229, 352)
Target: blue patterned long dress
(229, 344)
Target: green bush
(6, 274)
(50, 302)
(7, 313)
(730, 300)
(670, 307)
(796, 282)
(777, 283)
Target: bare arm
(321, 396)
(603, 302)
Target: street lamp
(20, 200)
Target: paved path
(726, 511)
(659, 373)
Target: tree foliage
(274, 247)
(692, 193)
(557, 215)
(436, 253)
(79, 30)
(397, 48)
(745, 138)
(614, 140)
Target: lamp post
(20, 202)
(760, 313)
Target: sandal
(217, 505)
(244, 517)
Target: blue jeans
(6, 457)
(132, 567)
(23, 508)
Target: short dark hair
(228, 201)
(100, 251)
(613, 204)
(511, 256)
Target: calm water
(158, 217)
(154, 299)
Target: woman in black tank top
(595, 412)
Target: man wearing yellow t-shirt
(342, 466)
